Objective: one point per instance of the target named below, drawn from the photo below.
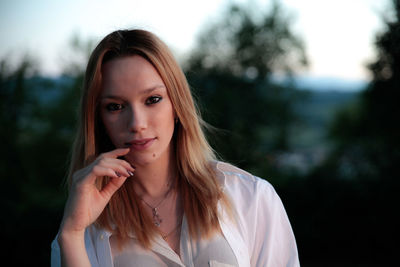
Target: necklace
(156, 217)
(165, 236)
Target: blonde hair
(197, 181)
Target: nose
(137, 120)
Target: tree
(30, 189)
(38, 117)
(230, 72)
(368, 133)
(360, 180)
(249, 43)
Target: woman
(145, 188)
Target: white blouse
(259, 235)
(213, 252)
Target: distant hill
(329, 84)
(322, 98)
(48, 89)
(309, 144)
(322, 83)
(316, 110)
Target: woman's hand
(85, 201)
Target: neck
(155, 179)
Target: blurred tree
(231, 70)
(76, 56)
(29, 194)
(347, 212)
(247, 42)
(369, 132)
(38, 115)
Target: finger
(120, 166)
(121, 171)
(126, 164)
(99, 171)
(108, 162)
(117, 152)
(110, 188)
(100, 167)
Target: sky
(338, 34)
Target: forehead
(133, 73)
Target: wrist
(72, 248)
(68, 236)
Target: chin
(141, 160)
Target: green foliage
(76, 56)
(38, 117)
(352, 197)
(30, 163)
(368, 133)
(230, 74)
(249, 43)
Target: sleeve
(274, 243)
(90, 250)
(55, 254)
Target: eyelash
(153, 100)
(112, 107)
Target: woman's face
(136, 110)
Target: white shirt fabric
(259, 234)
(211, 252)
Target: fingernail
(130, 173)
(118, 174)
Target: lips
(140, 144)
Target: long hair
(197, 181)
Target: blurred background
(304, 94)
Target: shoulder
(236, 179)
(260, 219)
(245, 190)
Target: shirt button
(102, 237)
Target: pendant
(156, 218)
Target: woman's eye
(114, 107)
(153, 99)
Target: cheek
(169, 118)
(165, 122)
(110, 126)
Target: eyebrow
(151, 89)
(142, 92)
